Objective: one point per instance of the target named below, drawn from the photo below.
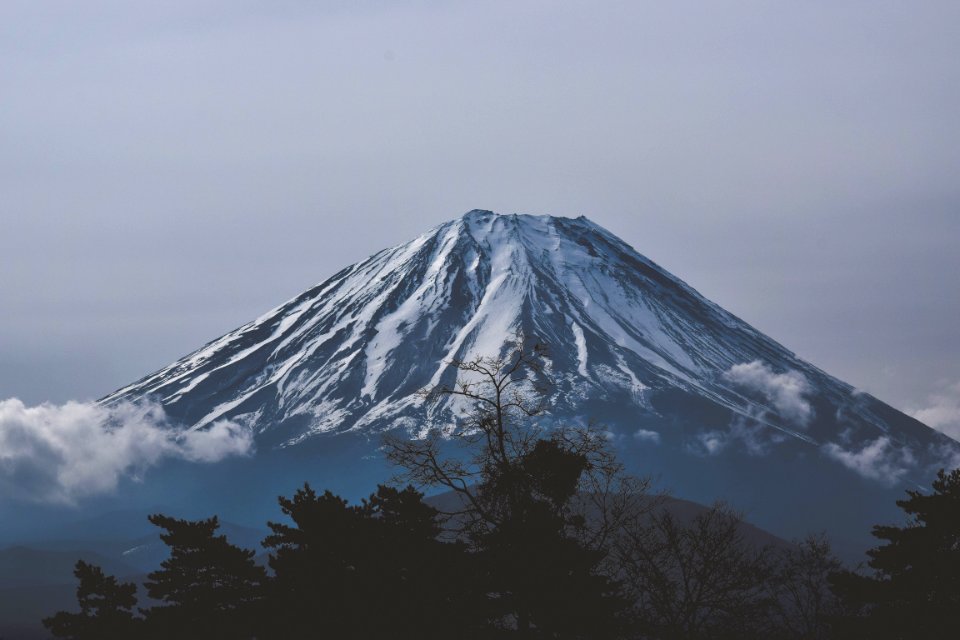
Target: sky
(170, 170)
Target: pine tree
(209, 587)
(106, 608)
(313, 561)
(546, 583)
(374, 570)
(914, 591)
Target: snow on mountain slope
(629, 343)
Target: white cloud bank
(61, 453)
(879, 460)
(757, 439)
(645, 435)
(783, 391)
(942, 411)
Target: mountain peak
(351, 353)
(485, 215)
(683, 388)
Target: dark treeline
(546, 537)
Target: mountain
(686, 390)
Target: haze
(170, 170)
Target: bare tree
(537, 504)
(697, 579)
(804, 603)
(496, 432)
(507, 393)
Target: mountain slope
(685, 389)
(349, 353)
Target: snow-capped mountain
(677, 380)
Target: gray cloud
(942, 411)
(878, 460)
(62, 453)
(782, 391)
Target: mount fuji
(685, 390)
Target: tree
(914, 589)
(209, 587)
(426, 586)
(336, 561)
(696, 579)
(312, 569)
(524, 498)
(106, 608)
(804, 605)
(546, 582)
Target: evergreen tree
(545, 582)
(314, 565)
(209, 587)
(374, 570)
(914, 590)
(106, 608)
(426, 587)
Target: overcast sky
(170, 170)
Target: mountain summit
(681, 385)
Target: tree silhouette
(546, 583)
(336, 561)
(426, 587)
(697, 579)
(314, 564)
(914, 590)
(523, 500)
(209, 587)
(804, 606)
(106, 608)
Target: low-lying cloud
(942, 411)
(781, 394)
(645, 435)
(879, 459)
(62, 453)
(782, 391)
(756, 438)
(709, 443)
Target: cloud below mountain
(782, 394)
(62, 453)
(783, 391)
(645, 435)
(942, 411)
(877, 460)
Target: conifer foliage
(914, 591)
(336, 561)
(208, 587)
(106, 608)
